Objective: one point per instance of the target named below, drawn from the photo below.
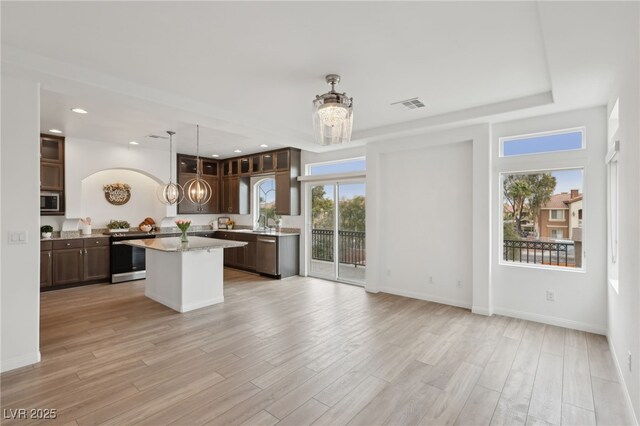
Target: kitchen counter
(173, 244)
(250, 231)
(184, 276)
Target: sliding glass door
(337, 234)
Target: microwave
(49, 202)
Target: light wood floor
(302, 351)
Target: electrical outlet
(551, 296)
(629, 360)
(459, 283)
(388, 272)
(431, 279)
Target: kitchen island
(185, 276)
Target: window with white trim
(541, 143)
(265, 201)
(537, 229)
(351, 165)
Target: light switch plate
(18, 237)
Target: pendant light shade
(332, 115)
(198, 190)
(171, 193)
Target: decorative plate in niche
(117, 193)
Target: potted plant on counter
(118, 226)
(46, 231)
(184, 226)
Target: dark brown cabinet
(51, 176)
(230, 181)
(235, 195)
(256, 164)
(66, 262)
(282, 160)
(52, 148)
(52, 167)
(268, 165)
(187, 170)
(239, 257)
(273, 255)
(45, 264)
(96, 259)
(287, 185)
(245, 166)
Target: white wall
(427, 247)
(20, 176)
(412, 181)
(143, 202)
(580, 296)
(84, 158)
(624, 308)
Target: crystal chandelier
(198, 190)
(332, 115)
(171, 193)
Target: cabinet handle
(68, 244)
(80, 252)
(85, 251)
(49, 254)
(97, 242)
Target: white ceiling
(247, 71)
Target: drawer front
(45, 245)
(67, 244)
(96, 242)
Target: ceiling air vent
(408, 104)
(152, 136)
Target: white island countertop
(173, 244)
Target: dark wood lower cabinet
(67, 266)
(76, 261)
(283, 260)
(96, 263)
(45, 268)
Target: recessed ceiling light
(79, 110)
(55, 131)
(237, 151)
(215, 155)
(133, 143)
(264, 145)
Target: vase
(184, 238)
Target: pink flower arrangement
(183, 224)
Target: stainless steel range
(127, 263)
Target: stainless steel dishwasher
(267, 255)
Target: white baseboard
(20, 361)
(194, 306)
(625, 390)
(545, 319)
(427, 297)
(183, 308)
(481, 311)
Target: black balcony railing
(351, 246)
(540, 252)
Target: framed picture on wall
(223, 222)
